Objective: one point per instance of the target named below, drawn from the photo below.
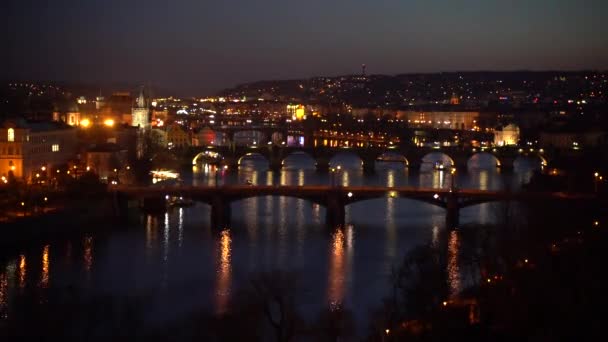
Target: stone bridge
(412, 157)
(333, 198)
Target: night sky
(195, 47)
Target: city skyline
(200, 48)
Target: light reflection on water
(336, 269)
(3, 296)
(454, 276)
(44, 277)
(87, 255)
(349, 265)
(224, 272)
(22, 271)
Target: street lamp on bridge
(452, 176)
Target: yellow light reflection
(483, 180)
(453, 267)
(335, 291)
(300, 177)
(222, 294)
(345, 178)
(44, 280)
(22, 271)
(390, 178)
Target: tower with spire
(140, 113)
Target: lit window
(11, 134)
(55, 148)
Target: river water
(183, 265)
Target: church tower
(140, 113)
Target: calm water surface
(183, 265)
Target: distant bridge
(333, 198)
(412, 157)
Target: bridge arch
(318, 201)
(253, 158)
(297, 160)
(208, 155)
(346, 160)
(431, 159)
(392, 156)
(520, 161)
(430, 200)
(483, 160)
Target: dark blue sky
(199, 46)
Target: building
(159, 117)
(29, 150)
(247, 138)
(507, 135)
(204, 137)
(68, 112)
(140, 113)
(448, 119)
(177, 136)
(296, 112)
(572, 139)
(107, 160)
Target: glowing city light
(109, 122)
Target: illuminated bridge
(412, 157)
(333, 198)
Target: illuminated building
(204, 137)
(68, 113)
(100, 102)
(454, 100)
(296, 112)
(507, 135)
(160, 115)
(177, 136)
(140, 114)
(30, 148)
(459, 120)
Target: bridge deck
(350, 193)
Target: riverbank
(73, 217)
